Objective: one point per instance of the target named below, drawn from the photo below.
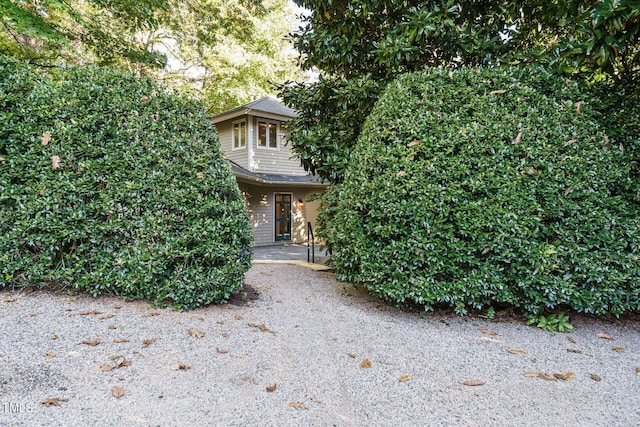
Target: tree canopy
(360, 45)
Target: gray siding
(240, 156)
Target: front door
(283, 217)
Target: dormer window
(267, 134)
(239, 135)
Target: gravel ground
(305, 338)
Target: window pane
(243, 133)
(273, 139)
(262, 134)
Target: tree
(101, 31)
(360, 45)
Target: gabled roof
(267, 105)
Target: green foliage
(360, 45)
(476, 187)
(557, 322)
(111, 185)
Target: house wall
(269, 160)
(259, 201)
(240, 156)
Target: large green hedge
(111, 185)
(481, 186)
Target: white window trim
(271, 122)
(233, 135)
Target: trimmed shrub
(476, 187)
(111, 185)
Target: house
(276, 189)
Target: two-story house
(275, 187)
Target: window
(267, 134)
(239, 135)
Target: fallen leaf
(531, 374)
(54, 337)
(473, 383)
(262, 327)
(147, 343)
(117, 391)
(151, 314)
(180, 367)
(106, 316)
(487, 331)
(121, 362)
(195, 332)
(272, 388)
(366, 364)
(497, 92)
(414, 143)
(112, 327)
(578, 107)
(546, 377)
(106, 368)
(351, 355)
(50, 355)
(55, 162)
(571, 340)
(92, 343)
(297, 405)
(520, 352)
(401, 173)
(314, 399)
(568, 190)
(518, 138)
(120, 340)
(219, 322)
(237, 317)
(222, 350)
(618, 349)
(574, 350)
(595, 377)
(9, 298)
(605, 336)
(46, 137)
(565, 377)
(89, 312)
(637, 370)
(225, 335)
(144, 98)
(55, 401)
(404, 378)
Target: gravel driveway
(309, 351)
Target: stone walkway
(291, 254)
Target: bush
(476, 187)
(111, 185)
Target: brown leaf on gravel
(314, 399)
(180, 367)
(297, 405)
(89, 312)
(54, 337)
(148, 342)
(106, 368)
(112, 327)
(237, 317)
(531, 374)
(366, 364)
(272, 388)
(93, 342)
(222, 350)
(595, 377)
(351, 355)
(618, 349)
(121, 361)
(574, 350)
(117, 391)
(638, 370)
(55, 401)
(9, 298)
(195, 332)
(565, 377)
(520, 352)
(224, 335)
(262, 327)
(120, 340)
(546, 377)
(487, 331)
(106, 316)
(605, 336)
(151, 314)
(404, 378)
(473, 383)
(571, 340)
(50, 355)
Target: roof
(267, 105)
(245, 175)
